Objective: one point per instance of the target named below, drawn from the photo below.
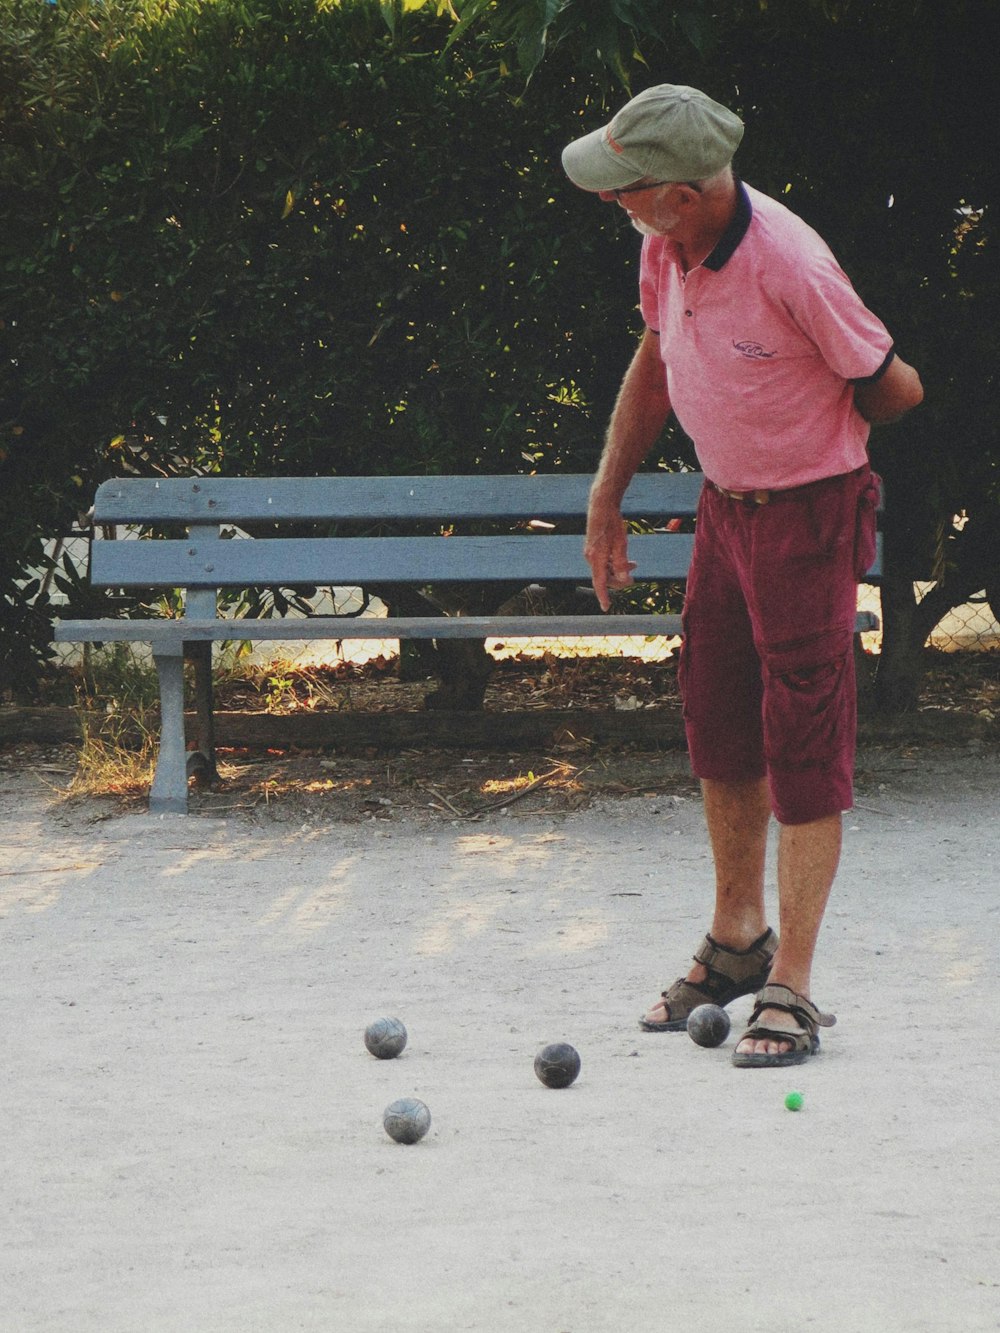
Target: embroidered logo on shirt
(753, 351)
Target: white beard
(664, 225)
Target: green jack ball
(794, 1101)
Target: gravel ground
(193, 1135)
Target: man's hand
(606, 550)
(639, 416)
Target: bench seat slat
(334, 499)
(352, 561)
(371, 627)
(157, 632)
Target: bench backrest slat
(351, 561)
(205, 561)
(334, 499)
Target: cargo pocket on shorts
(866, 526)
(809, 701)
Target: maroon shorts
(767, 664)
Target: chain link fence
(972, 627)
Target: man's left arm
(891, 396)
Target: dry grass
(117, 754)
(118, 760)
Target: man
(757, 341)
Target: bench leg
(201, 764)
(169, 791)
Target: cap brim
(592, 164)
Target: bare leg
(808, 856)
(737, 815)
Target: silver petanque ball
(385, 1038)
(558, 1064)
(407, 1120)
(708, 1025)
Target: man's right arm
(636, 423)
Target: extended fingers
(607, 555)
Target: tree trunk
(864, 674)
(463, 667)
(900, 668)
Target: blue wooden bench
(367, 532)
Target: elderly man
(774, 367)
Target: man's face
(648, 206)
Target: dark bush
(276, 238)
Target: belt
(762, 497)
(748, 497)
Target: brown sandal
(803, 1037)
(731, 973)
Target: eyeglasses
(653, 185)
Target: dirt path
(193, 1133)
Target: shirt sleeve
(873, 379)
(851, 339)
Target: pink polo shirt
(761, 343)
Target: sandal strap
(783, 998)
(737, 964)
(690, 993)
(800, 1039)
(730, 973)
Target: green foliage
(272, 236)
(117, 679)
(605, 39)
(302, 236)
(271, 249)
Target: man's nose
(607, 196)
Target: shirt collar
(734, 233)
